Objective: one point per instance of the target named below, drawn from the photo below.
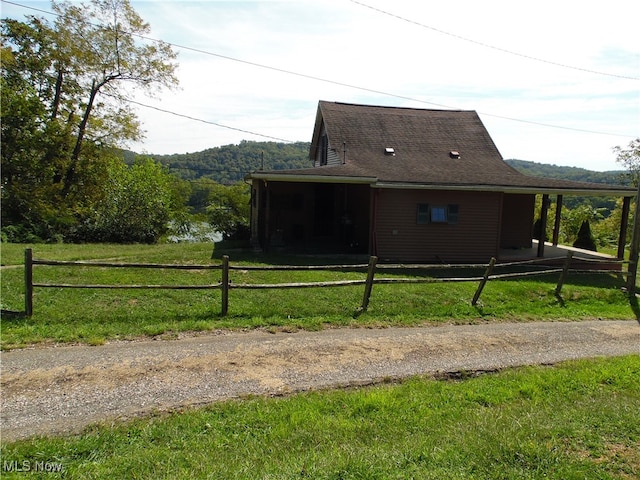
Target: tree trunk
(75, 155)
(56, 99)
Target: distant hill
(230, 163)
(615, 177)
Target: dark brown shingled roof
(422, 141)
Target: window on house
(436, 214)
(422, 215)
(452, 213)
(324, 149)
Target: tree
(585, 239)
(201, 195)
(630, 159)
(607, 231)
(573, 220)
(101, 43)
(229, 210)
(64, 106)
(138, 205)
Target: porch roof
(527, 184)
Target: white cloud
(498, 57)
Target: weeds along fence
(538, 267)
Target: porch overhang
(275, 177)
(374, 182)
(619, 192)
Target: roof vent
(390, 151)
(454, 154)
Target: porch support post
(624, 225)
(255, 212)
(267, 219)
(634, 250)
(556, 225)
(543, 224)
(28, 282)
(373, 222)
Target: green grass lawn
(576, 420)
(96, 315)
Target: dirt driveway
(58, 390)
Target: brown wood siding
(257, 191)
(474, 238)
(333, 158)
(334, 152)
(517, 221)
(317, 161)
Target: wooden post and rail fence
(225, 284)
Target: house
(405, 184)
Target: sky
(554, 81)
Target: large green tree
(229, 209)
(136, 203)
(64, 108)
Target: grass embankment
(93, 316)
(577, 420)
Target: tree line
(230, 163)
(576, 174)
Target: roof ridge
(393, 107)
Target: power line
(334, 82)
(384, 12)
(208, 122)
(493, 47)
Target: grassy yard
(576, 420)
(96, 315)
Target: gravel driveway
(59, 390)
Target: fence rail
(370, 269)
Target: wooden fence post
(563, 274)
(483, 282)
(373, 260)
(225, 285)
(28, 282)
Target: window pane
(422, 215)
(438, 214)
(453, 213)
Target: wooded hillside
(230, 163)
(614, 177)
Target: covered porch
(553, 250)
(341, 215)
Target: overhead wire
(343, 84)
(493, 47)
(189, 117)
